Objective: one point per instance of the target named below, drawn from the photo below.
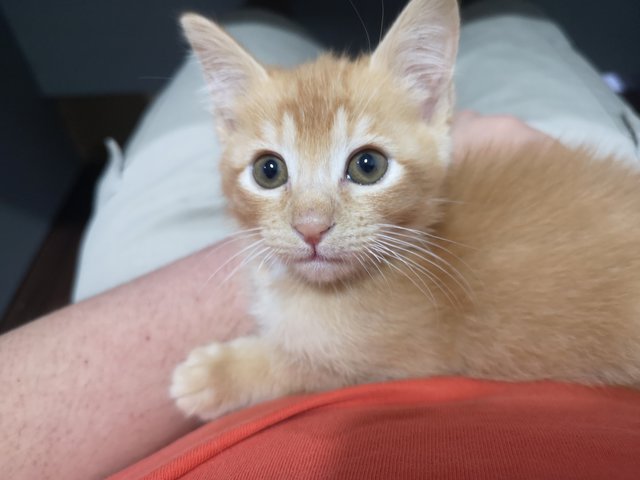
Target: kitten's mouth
(317, 258)
(318, 268)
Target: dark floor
(87, 120)
(47, 286)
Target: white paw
(201, 385)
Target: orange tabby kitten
(375, 258)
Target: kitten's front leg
(221, 377)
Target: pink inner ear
(228, 68)
(429, 87)
(420, 49)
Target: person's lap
(160, 199)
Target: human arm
(473, 131)
(85, 389)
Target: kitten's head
(329, 157)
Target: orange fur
(512, 264)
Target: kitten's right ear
(228, 69)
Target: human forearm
(84, 390)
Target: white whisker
(427, 294)
(364, 26)
(381, 21)
(230, 259)
(376, 260)
(458, 278)
(246, 261)
(430, 275)
(427, 234)
(234, 237)
(446, 200)
(417, 238)
(265, 260)
(364, 266)
(407, 262)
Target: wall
(78, 47)
(37, 166)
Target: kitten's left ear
(228, 69)
(420, 50)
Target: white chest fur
(362, 329)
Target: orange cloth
(441, 428)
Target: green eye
(366, 167)
(270, 171)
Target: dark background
(77, 71)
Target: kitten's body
(554, 236)
(512, 264)
(540, 278)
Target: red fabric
(442, 428)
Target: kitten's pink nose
(312, 229)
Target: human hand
(472, 130)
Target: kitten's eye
(270, 171)
(367, 167)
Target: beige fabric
(525, 66)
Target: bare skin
(90, 381)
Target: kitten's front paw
(202, 384)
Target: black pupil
(367, 163)
(270, 169)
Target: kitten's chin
(323, 271)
